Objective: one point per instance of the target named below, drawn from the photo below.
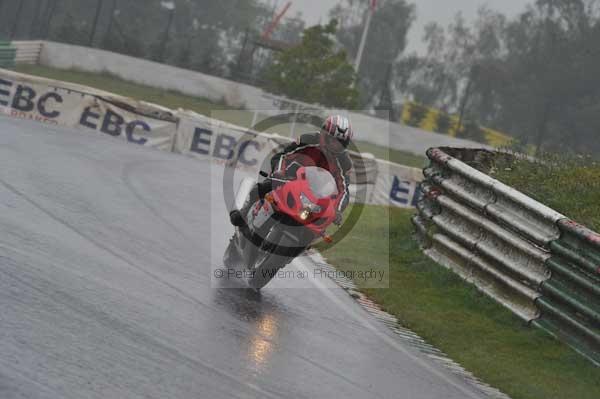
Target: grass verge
(397, 156)
(113, 84)
(471, 328)
(570, 185)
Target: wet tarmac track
(107, 253)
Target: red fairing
(314, 156)
(316, 222)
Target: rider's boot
(259, 190)
(238, 217)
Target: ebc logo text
(26, 100)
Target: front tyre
(276, 251)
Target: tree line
(203, 35)
(533, 76)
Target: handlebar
(270, 177)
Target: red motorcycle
(281, 226)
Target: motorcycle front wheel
(276, 251)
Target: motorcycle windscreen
(321, 182)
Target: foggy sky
(441, 11)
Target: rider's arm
(346, 193)
(345, 164)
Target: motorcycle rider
(326, 149)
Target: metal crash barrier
(536, 262)
(7, 54)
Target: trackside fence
(52, 102)
(24, 52)
(7, 54)
(539, 264)
(28, 52)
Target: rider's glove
(277, 174)
(338, 218)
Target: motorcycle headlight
(309, 205)
(304, 214)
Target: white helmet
(339, 127)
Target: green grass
(113, 84)
(570, 185)
(471, 328)
(397, 156)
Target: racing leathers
(308, 150)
